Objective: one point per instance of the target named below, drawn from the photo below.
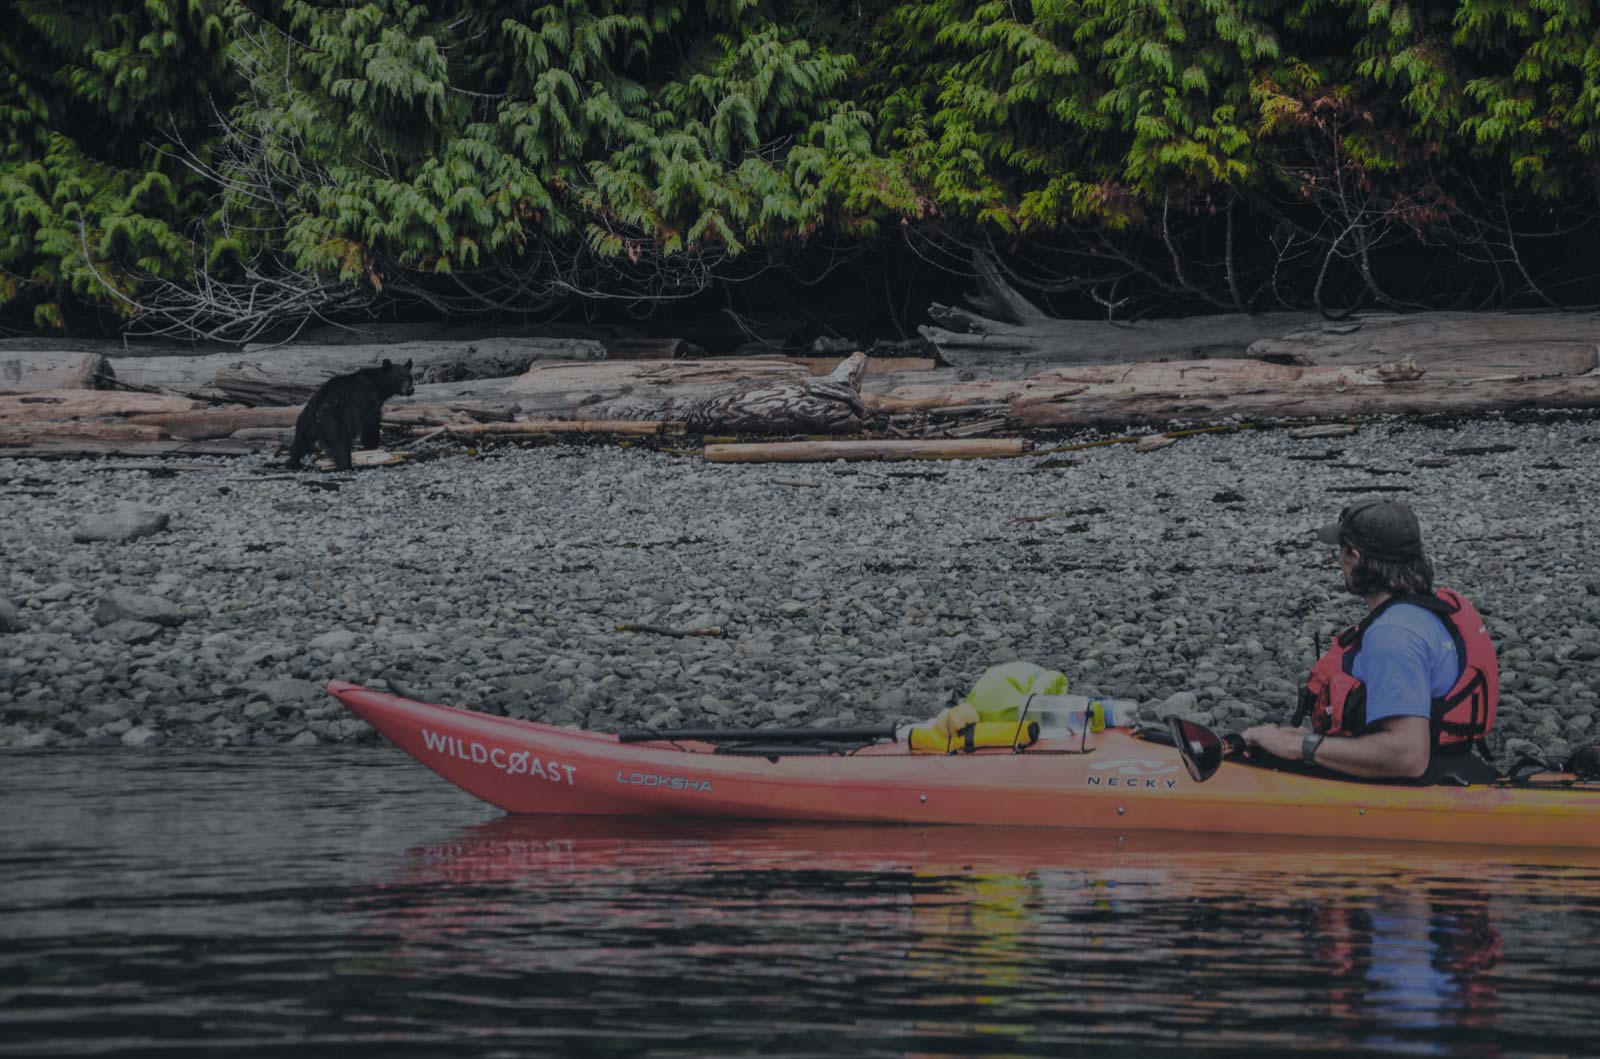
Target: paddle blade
(1199, 747)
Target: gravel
(1185, 578)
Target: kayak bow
(1110, 781)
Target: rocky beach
(208, 603)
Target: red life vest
(1462, 716)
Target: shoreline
(1185, 578)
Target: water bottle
(1060, 715)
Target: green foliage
(606, 146)
(93, 195)
(439, 138)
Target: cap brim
(1329, 534)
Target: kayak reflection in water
(1410, 690)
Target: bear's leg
(369, 435)
(340, 451)
(298, 447)
(335, 435)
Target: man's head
(1380, 548)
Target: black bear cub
(347, 407)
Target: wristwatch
(1308, 747)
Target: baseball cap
(1383, 529)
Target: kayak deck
(1111, 782)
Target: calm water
(346, 902)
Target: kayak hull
(1113, 782)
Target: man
(1406, 692)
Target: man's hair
(1411, 577)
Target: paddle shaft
(765, 735)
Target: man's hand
(1399, 749)
(1276, 739)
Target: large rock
(335, 640)
(123, 605)
(128, 632)
(126, 522)
(1182, 704)
(9, 622)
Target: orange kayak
(1110, 781)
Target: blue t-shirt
(1407, 660)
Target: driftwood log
(995, 343)
(219, 423)
(53, 405)
(291, 374)
(657, 389)
(29, 372)
(1008, 330)
(1457, 346)
(97, 422)
(829, 404)
(1159, 393)
(13, 435)
(369, 458)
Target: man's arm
(1399, 749)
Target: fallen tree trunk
(50, 405)
(290, 374)
(827, 405)
(26, 372)
(57, 410)
(89, 430)
(666, 389)
(991, 343)
(1455, 346)
(1159, 393)
(823, 451)
(1017, 331)
(1465, 344)
(219, 423)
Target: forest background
(217, 170)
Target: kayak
(1111, 780)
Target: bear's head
(397, 378)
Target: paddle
(1202, 749)
(764, 735)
